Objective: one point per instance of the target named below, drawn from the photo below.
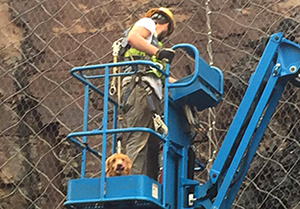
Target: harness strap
(137, 80)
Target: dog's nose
(119, 166)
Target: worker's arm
(137, 39)
(172, 80)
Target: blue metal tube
(189, 49)
(115, 122)
(111, 131)
(77, 72)
(104, 136)
(256, 140)
(165, 145)
(245, 141)
(86, 82)
(109, 65)
(166, 91)
(165, 170)
(257, 78)
(182, 172)
(85, 123)
(78, 143)
(82, 146)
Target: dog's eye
(123, 159)
(114, 160)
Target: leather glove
(165, 54)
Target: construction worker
(142, 94)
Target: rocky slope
(40, 41)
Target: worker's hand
(165, 54)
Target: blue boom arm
(279, 64)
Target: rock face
(40, 41)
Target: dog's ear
(107, 164)
(128, 162)
(128, 165)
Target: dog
(117, 165)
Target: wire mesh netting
(40, 103)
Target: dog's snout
(119, 166)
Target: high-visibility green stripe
(134, 52)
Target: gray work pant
(141, 147)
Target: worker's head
(162, 16)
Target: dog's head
(117, 165)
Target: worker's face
(164, 31)
(165, 27)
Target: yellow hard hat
(167, 13)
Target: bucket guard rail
(203, 88)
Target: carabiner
(112, 90)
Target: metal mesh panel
(41, 40)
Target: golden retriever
(117, 165)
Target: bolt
(214, 175)
(277, 66)
(276, 38)
(293, 69)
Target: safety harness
(123, 51)
(159, 125)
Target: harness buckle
(159, 125)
